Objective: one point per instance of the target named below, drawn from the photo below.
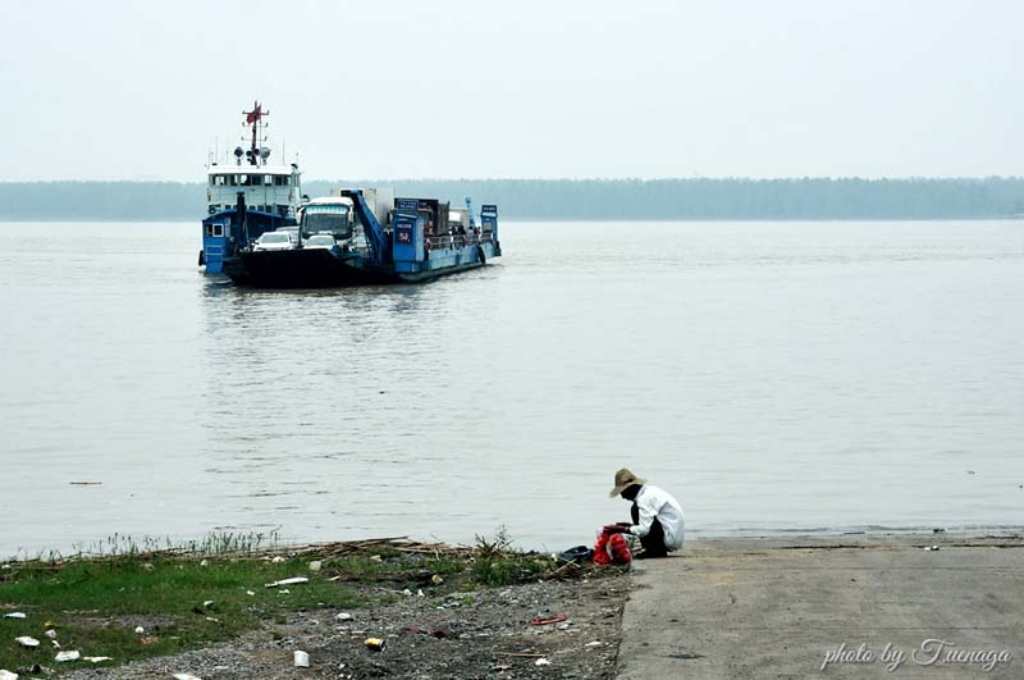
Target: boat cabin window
(250, 180)
(330, 218)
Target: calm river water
(774, 376)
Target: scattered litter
(542, 662)
(139, 630)
(419, 593)
(315, 565)
(7, 675)
(52, 634)
(70, 655)
(26, 641)
(15, 615)
(502, 667)
(301, 659)
(437, 579)
(204, 563)
(407, 592)
(148, 566)
(212, 619)
(250, 593)
(186, 676)
(542, 621)
(563, 626)
(295, 580)
(931, 548)
(147, 641)
(344, 616)
(97, 659)
(376, 558)
(55, 644)
(276, 559)
(594, 643)
(207, 604)
(284, 591)
(376, 644)
(334, 578)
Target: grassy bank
(96, 605)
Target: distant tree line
(590, 199)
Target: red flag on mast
(255, 115)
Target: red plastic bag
(611, 548)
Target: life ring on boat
(202, 257)
(480, 253)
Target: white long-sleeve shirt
(656, 503)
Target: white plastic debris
(26, 641)
(594, 643)
(301, 659)
(250, 593)
(207, 604)
(930, 548)
(7, 675)
(437, 579)
(204, 563)
(139, 630)
(186, 676)
(277, 559)
(70, 655)
(419, 593)
(407, 592)
(563, 626)
(15, 615)
(315, 565)
(541, 662)
(52, 634)
(284, 591)
(55, 644)
(344, 616)
(295, 580)
(97, 659)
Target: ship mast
(254, 118)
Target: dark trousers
(654, 542)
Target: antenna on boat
(254, 119)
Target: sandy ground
(486, 634)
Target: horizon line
(716, 178)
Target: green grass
(95, 603)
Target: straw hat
(623, 480)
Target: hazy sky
(104, 90)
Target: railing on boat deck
(457, 240)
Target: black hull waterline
(321, 268)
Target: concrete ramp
(770, 608)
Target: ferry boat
(247, 198)
(261, 230)
(363, 236)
